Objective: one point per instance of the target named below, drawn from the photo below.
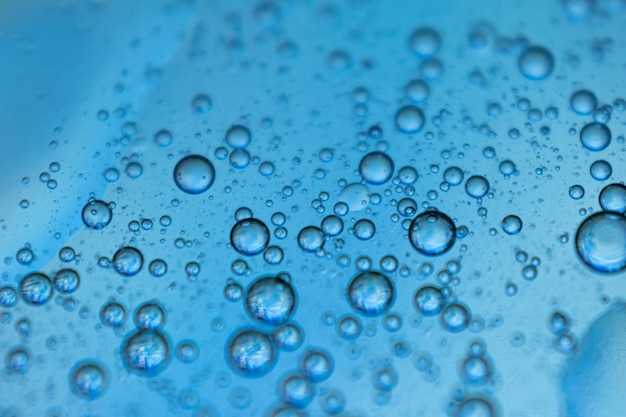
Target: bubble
(239, 158)
(266, 168)
(333, 403)
(163, 138)
(559, 323)
(111, 175)
(150, 316)
(316, 365)
(409, 119)
(453, 175)
(146, 352)
(194, 174)
(576, 192)
(428, 300)
(36, 289)
(407, 175)
(17, 361)
(128, 261)
(376, 168)
(601, 170)
(273, 255)
(475, 407)
(613, 198)
(455, 318)
(417, 91)
(364, 229)
(296, 391)
(371, 293)
(512, 224)
(311, 239)
(595, 136)
(157, 268)
(407, 207)
(288, 337)
(88, 381)
(113, 315)
(332, 225)
(601, 242)
(233, 291)
(97, 214)
(250, 353)
(477, 186)
(66, 281)
(238, 137)
(201, 104)
(583, 102)
(475, 370)
(536, 63)
(425, 42)
(432, 233)
(187, 351)
(385, 379)
(270, 300)
(249, 236)
(349, 328)
(134, 170)
(8, 296)
(24, 256)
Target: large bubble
(249, 236)
(536, 63)
(88, 381)
(250, 353)
(146, 352)
(97, 214)
(36, 288)
(376, 168)
(601, 242)
(432, 233)
(595, 136)
(128, 261)
(194, 174)
(371, 293)
(270, 300)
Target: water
(271, 208)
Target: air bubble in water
(128, 261)
(97, 214)
(146, 352)
(317, 365)
(66, 281)
(428, 300)
(36, 289)
(477, 186)
(194, 174)
(475, 407)
(425, 42)
(238, 137)
(376, 168)
(455, 318)
(88, 381)
(583, 102)
(512, 224)
(432, 233)
(270, 300)
(409, 119)
(536, 63)
(601, 242)
(595, 136)
(311, 239)
(613, 198)
(371, 293)
(150, 316)
(201, 103)
(601, 170)
(113, 314)
(250, 353)
(249, 236)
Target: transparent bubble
(613, 198)
(239, 158)
(576, 192)
(455, 318)
(453, 175)
(88, 381)
(97, 214)
(187, 351)
(425, 42)
(273, 255)
(428, 300)
(409, 119)
(111, 175)
(349, 328)
(536, 63)
(376, 168)
(559, 323)
(238, 137)
(601, 242)
(134, 170)
(150, 316)
(250, 353)
(296, 391)
(146, 353)
(333, 403)
(371, 293)
(311, 239)
(601, 170)
(407, 207)
(8, 296)
(512, 224)
(128, 261)
(317, 365)
(201, 104)
(364, 229)
(233, 291)
(417, 91)
(432, 233)
(266, 168)
(163, 138)
(475, 407)
(595, 136)
(385, 379)
(157, 268)
(407, 175)
(24, 256)
(476, 370)
(17, 361)
(113, 315)
(288, 337)
(332, 225)
(477, 186)
(249, 236)
(583, 102)
(270, 300)
(194, 174)
(66, 281)
(67, 254)
(36, 289)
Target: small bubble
(536, 63)
(194, 174)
